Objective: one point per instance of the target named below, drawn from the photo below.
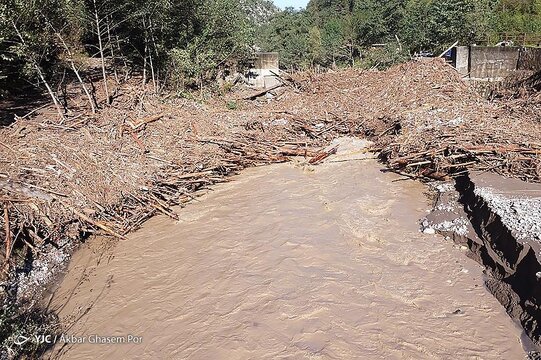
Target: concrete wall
(461, 59)
(264, 75)
(268, 60)
(493, 63)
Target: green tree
(29, 48)
(223, 37)
(315, 46)
(448, 22)
(287, 33)
(515, 18)
(378, 21)
(435, 25)
(415, 32)
(334, 40)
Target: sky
(294, 3)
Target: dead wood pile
(62, 181)
(520, 91)
(426, 121)
(108, 173)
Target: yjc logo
(38, 339)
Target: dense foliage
(172, 42)
(344, 31)
(188, 43)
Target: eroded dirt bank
(509, 247)
(498, 220)
(287, 261)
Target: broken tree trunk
(322, 156)
(263, 92)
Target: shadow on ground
(19, 105)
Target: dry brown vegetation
(427, 122)
(109, 172)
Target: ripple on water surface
(289, 263)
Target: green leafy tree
(334, 40)
(517, 18)
(29, 49)
(435, 25)
(223, 37)
(287, 33)
(315, 46)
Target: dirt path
(286, 262)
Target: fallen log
(146, 120)
(194, 175)
(427, 162)
(166, 212)
(93, 222)
(322, 156)
(263, 92)
(297, 152)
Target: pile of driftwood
(444, 162)
(108, 174)
(521, 90)
(426, 121)
(144, 155)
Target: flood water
(287, 262)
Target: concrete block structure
(461, 58)
(266, 71)
(494, 63)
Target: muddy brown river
(287, 262)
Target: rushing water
(288, 262)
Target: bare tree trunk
(102, 55)
(146, 55)
(74, 68)
(155, 78)
(159, 87)
(201, 86)
(126, 70)
(398, 41)
(63, 89)
(152, 71)
(145, 66)
(111, 48)
(85, 89)
(40, 74)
